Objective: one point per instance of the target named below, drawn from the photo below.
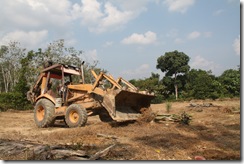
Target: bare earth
(213, 133)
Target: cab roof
(57, 69)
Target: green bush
(214, 95)
(13, 100)
(158, 99)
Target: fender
(47, 96)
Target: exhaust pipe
(82, 72)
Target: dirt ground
(214, 133)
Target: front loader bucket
(125, 105)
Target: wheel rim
(74, 117)
(40, 113)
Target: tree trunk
(176, 88)
(5, 81)
(176, 91)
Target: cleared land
(214, 133)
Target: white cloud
(60, 16)
(194, 35)
(90, 11)
(30, 14)
(29, 39)
(201, 63)
(191, 36)
(100, 17)
(236, 45)
(147, 38)
(139, 72)
(114, 17)
(179, 5)
(30, 21)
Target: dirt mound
(147, 115)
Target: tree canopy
(231, 82)
(173, 64)
(202, 84)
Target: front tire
(75, 116)
(44, 113)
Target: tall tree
(174, 64)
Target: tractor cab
(53, 83)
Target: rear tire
(44, 113)
(75, 116)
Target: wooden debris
(64, 154)
(183, 118)
(34, 151)
(107, 136)
(201, 105)
(101, 153)
(167, 117)
(236, 112)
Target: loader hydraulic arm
(102, 76)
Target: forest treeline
(20, 68)
(183, 83)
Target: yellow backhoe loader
(62, 93)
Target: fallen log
(22, 150)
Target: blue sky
(127, 37)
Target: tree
(24, 74)
(10, 56)
(174, 64)
(230, 79)
(169, 84)
(202, 84)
